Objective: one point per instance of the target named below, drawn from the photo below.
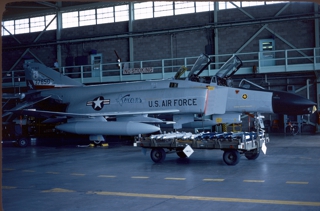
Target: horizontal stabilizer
(8, 96)
(26, 104)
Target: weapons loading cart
(232, 143)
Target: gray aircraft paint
(184, 99)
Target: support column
(58, 34)
(131, 19)
(216, 37)
(318, 102)
(316, 26)
(317, 72)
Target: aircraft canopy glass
(202, 63)
(229, 68)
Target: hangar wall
(232, 37)
(299, 33)
(238, 30)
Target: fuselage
(181, 95)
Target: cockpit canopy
(222, 77)
(229, 68)
(201, 64)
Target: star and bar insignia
(98, 103)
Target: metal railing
(303, 59)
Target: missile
(108, 128)
(291, 104)
(172, 135)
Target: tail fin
(39, 76)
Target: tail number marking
(42, 81)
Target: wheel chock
(100, 145)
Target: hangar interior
(105, 42)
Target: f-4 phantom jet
(126, 108)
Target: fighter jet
(125, 108)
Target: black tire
(23, 142)
(295, 130)
(181, 154)
(231, 157)
(252, 154)
(158, 155)
(97, 143)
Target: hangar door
(267, 54)
(96, 61)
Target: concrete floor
(121, 177)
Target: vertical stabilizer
(39, 76)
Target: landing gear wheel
(295, 130)
(231, 157)
(158, 155)
(23, 142)
(252, 154)
(181, 154)
(97, 143)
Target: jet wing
(89, 115)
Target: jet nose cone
(291, 104)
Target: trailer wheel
(231, 157)
(23, 142)
(181, 154)
(252, 154)
(158, 155)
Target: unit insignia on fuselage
(123, 99)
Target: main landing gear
(97, 140)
